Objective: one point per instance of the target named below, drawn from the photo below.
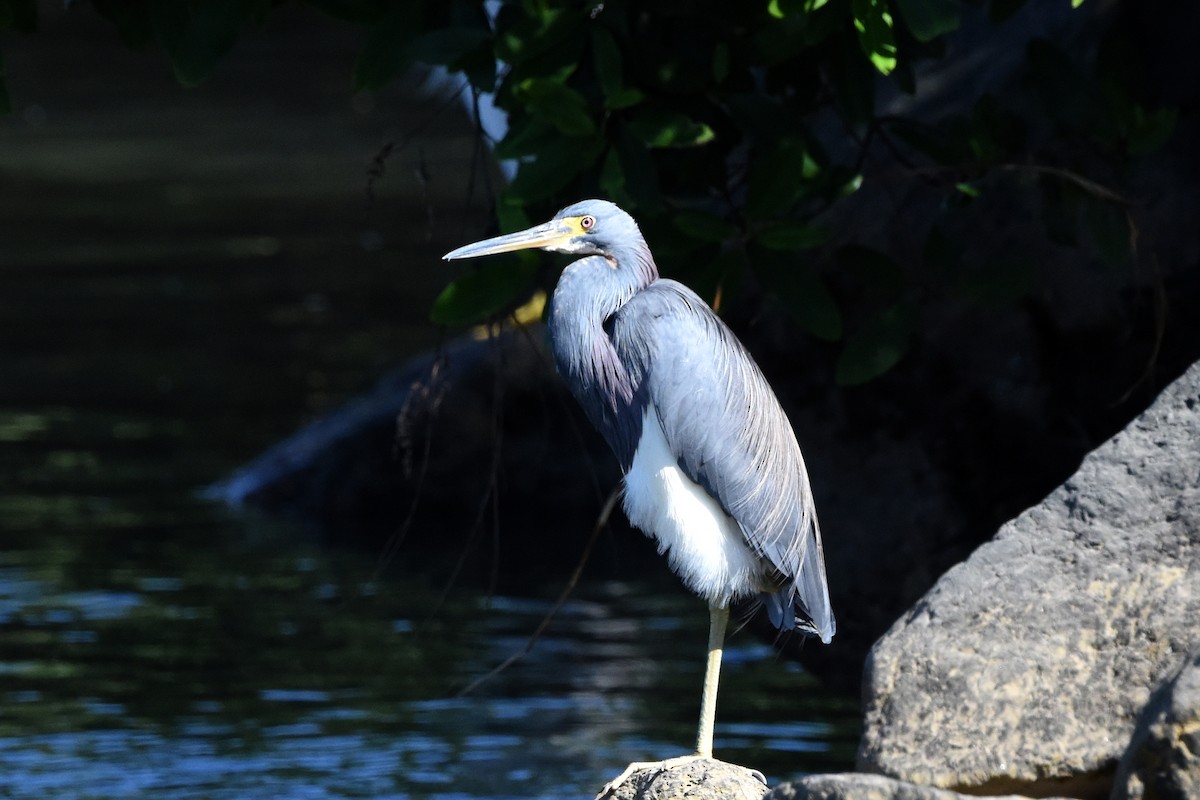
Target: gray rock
(1163, 760)
(1025, 668)
(697, 779)
(861, 786)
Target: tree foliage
(735, 130)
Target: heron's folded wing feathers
(727, 429)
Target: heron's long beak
(548, 234)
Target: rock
(861, 786)
(1025, 667)
(1163, 760)
(696, 779)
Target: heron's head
(593, 227)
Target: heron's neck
(589, 292)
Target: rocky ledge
(1062, 658)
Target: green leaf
(538, 179)
(360, 12)
(873, 22)
(385, 54)
(716, 277)
(782, 39)
(557, 104)
(777, 179)
(512, 217)
(793, 236)
(803, 294)
(876, 346)
(625, 98)
(555, 166)
(641, 175)
(703, 226)
(612, 180)
(197, 35)
(928, 19)
(610, 72)
(527, 136)
(667, 129)
(484, 292)
(853, 84)
(524, 32)
(536, 32)
(779, 9)
(720, 63)
(607, 58)
(445, 46)
(1150, 131)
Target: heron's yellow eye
(587, 222)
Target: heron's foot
(659, 767)
(637, 766)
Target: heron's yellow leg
(718, 618)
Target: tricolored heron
(712, 468)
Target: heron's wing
(728, 431)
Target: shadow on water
(188, 277)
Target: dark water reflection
(177, 652)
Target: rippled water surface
(184, 279)
(205, 657)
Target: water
(202, 656)
(185, 278)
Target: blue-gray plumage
(712, 468)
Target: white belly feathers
(704, 545)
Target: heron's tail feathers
(788, 612)
(809, 592)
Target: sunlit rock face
(1026, 667)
